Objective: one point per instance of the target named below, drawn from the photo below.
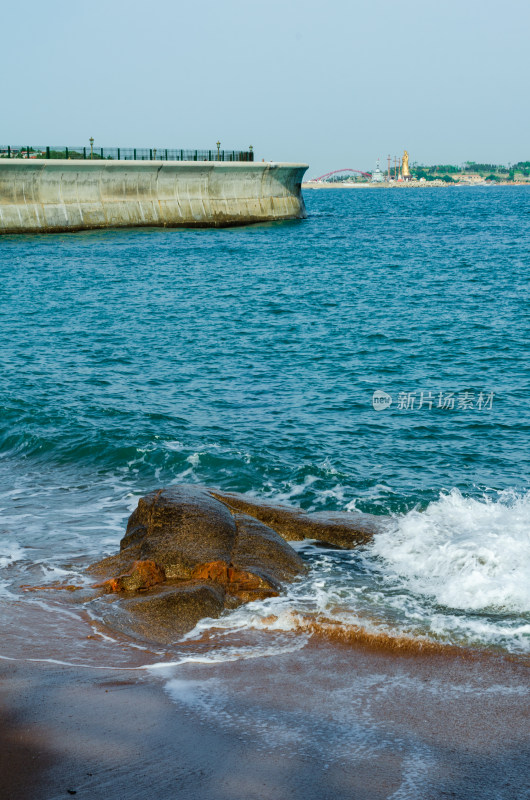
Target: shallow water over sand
(247, 359)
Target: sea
(373, 357)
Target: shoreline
(328, 721)
(405, 185)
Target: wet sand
(328, 721)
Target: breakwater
(61, 195)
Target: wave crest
(467, 554)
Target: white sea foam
(467, 554)
(10, 553)
(228, 654)
(457, 573)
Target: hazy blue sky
(334, 83)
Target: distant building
(470, 177)
(377, 175)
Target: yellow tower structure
(405, 170)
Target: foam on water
(456, 573)
(11, 552)
(466, 554)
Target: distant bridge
(337, 171)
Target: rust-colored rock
(142, 576)
(236, 582)
(52, 587)
(191, 552)
(248, 586)
(216, 571)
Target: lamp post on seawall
(218, 146)
(91, 140)
(154, 153)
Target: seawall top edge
(73, 163)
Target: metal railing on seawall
(125, 153)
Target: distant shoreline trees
(490, 172)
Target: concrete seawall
(57, 195)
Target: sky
(333, 83)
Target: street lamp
(91, 140)
(218, 146)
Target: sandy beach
(330, 721)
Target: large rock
(339, 529)
(179, 528)
(186, 556)
(165, 613)
(190, 552)
(260, 550)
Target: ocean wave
(463, 553)
(455, 574)
(11, 552)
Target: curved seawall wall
(59, 195)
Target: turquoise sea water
(247, 359)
